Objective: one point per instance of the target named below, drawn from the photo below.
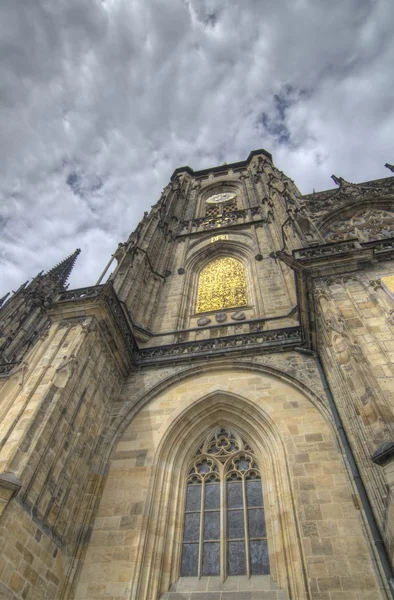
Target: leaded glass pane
(211, 559)
(254, 493)
(256, 523)
(236, 558)
(189, 567)
(235, 524)
(212, 525)
(192, 527)
(259, 557)
(212, 495)
(193, 497)
(234, 494)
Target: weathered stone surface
(99, 422)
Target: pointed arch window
(222, 284)
(224, 526)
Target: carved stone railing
(379, 246)
(234, 217)
(274, 340)
(314, 252)
(81, 293)
(325, 250)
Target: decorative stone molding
(321, 204)
(383, 454)
(272, 340)
(64, 372)
(10, 485)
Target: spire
(4, 298)
(61, 272)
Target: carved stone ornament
(221, 317)
(64, 372)
(383, 454)
(203, 321)
(367, 226)
(238, 316)
(181, 271)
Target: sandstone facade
(108, 392)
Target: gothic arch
(160, 550)
(127, 414)
(279, 415)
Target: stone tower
(215, 421)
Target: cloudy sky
(100, 100)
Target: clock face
(219, 198)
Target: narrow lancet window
(224, 527)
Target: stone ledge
(10, 485)
(251, 595)
(258, 587)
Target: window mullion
(245, 511)
(223, 528)
(200, 545)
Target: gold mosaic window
(222, 284)
(388, 281)
(224, 528)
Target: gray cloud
(101, 100)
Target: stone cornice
(102, 303)
(10, 485)
(274, 340)
(222, 168)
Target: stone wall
(54, 411)
(317, 542)
(356, 342)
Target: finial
(4, 298)
(338, 180)
(61, 272)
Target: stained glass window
(224, 528)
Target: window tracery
(224, 528)
(222, 284)
(366, 225)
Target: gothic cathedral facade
(215, 420)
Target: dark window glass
(192, 527)
(189, 566)
(256, 523)
(244, 533)
(193, 497)
(254, 493)
(211, 559)
(212, 525)
(234, 494)
(212, 495)
(243, 464)
(235, 524)
(259, 558)
(236, 558)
